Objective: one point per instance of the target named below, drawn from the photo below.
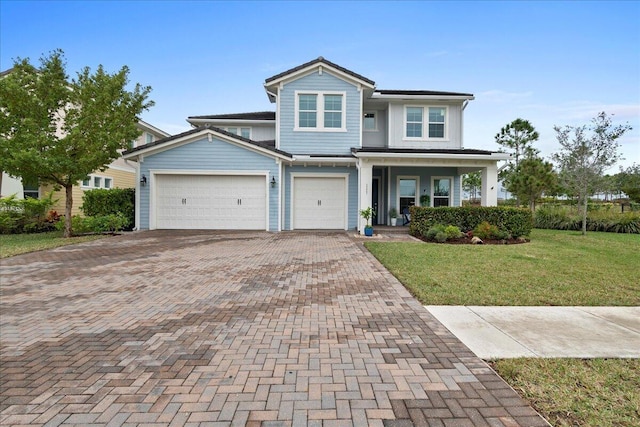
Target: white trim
(238, 128)
(122, 168)
(231, 121)
(377, 95)
(311, 69)
(451, 183)
(425, 124)
(280, 193)
(416, 201)
(148, 127)
(294, 175)
(187, 139)
(186, 172)
(320, 127)
(92, 178)
(493, 157)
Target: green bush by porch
(514, 221)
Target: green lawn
(555, 268)
(15, 244)
(574, 392)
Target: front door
(375, 201)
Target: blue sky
(553, 63)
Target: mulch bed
(466, 240)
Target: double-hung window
(320, 111)
(435, 126)
(243, 132)
(148, 138)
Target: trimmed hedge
(518, 222)
(116, 201)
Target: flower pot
(394, 221)
(368, 231)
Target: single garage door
(216, 202)
(319, 203)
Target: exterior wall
(11, 186)
(377, 138)
(424, 176)
(319, 142)
(264, 132)
(121, 179)
(352, 188)
(396, 124)
(203, 155)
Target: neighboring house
(119, 174)
(334, 145)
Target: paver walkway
(208, 329)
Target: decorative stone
(476, 241)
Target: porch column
(489, 189)
(365, 178)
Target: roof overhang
(492, 156)
(202, 122)
(406, 97)
(323, 160)
(150, 128)
(191, 136)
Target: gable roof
(262, 145)
(312, 64)
(258, 115)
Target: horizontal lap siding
(352, 188)
(203, 155)
(425, 175)
(300, 142)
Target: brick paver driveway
(160, 328)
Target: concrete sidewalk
(581, 332)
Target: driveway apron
(219, 329)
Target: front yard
(16, 244)
(555, 268)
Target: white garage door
(319, 203)
(202, 202)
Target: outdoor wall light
(273, 182)
(143, 180)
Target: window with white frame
(243, 132)
(407, 191)
(435, 126)
(414, 122)
(369, 121)
(94, 181)
(148, 137)
(320, 111)
(441, 188)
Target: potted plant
(425, 200)
(367, 214)
(393, 214)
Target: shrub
(565, 218)
(452, 232)
(433, 231)
(113, 223)
(441, 237)
(514, 222)
(26, 215)
(116, 201)
(484, 230)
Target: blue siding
(302, 142)
(209, 156)
(352, 188)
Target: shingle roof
(258, 115)
(269, 145)
(319, 60)
(419, 92)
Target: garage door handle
(184, 201)
(319, 202)
(239, 201)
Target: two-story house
(334, 145)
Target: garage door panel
(211, 202)
(319, 203)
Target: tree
(516, 137)
(471, 182)
(630, 182)
(586, 152)
(531, 179)
(58, 131)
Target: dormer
(318, 108)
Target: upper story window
(369, 121)
(94, 181)
(243, 132)
(320, 111)
(436, 125)
(414, 122)
(148, 138)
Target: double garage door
(217, 202)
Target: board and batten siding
(319, 142)
(202, 155)
(352, 189)
(397, 126)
